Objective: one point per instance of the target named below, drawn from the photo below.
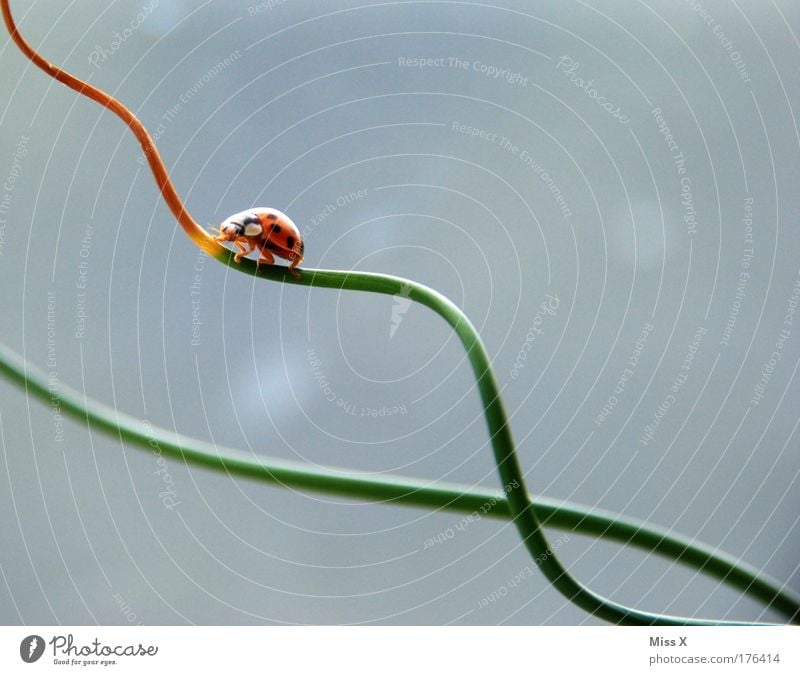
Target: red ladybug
(270, 231)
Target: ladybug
(270, 231)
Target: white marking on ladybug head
(253, 229)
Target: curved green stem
(520, 507)
(518, 498)
(515, 503)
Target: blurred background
(608, 189)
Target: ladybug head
(231, 229)
(240, 225)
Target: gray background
(313, 106)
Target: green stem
(515, 503)
(520, 507)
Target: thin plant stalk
(519, 503)
(395, 491)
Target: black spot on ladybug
(290, 242)
(272, 216)
(272, 246)
(276, 229)
(302, 247)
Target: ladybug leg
(266, 257)
(243, 250)
(294, 264)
